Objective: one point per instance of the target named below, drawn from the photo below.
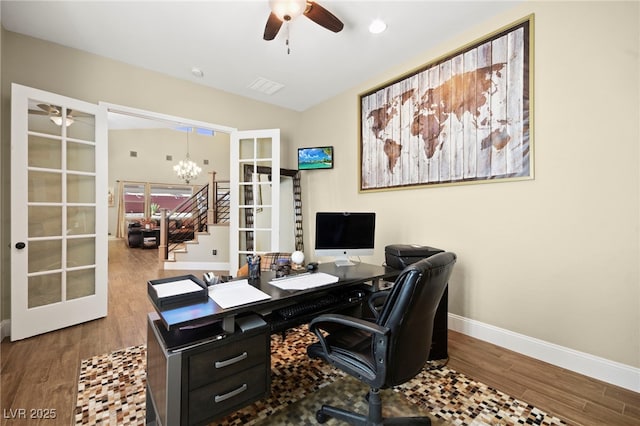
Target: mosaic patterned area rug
(111, 391)
(111, 388)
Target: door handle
(20, 245)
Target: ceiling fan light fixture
(286, 10)
(57, 120)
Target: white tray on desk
(176, 291)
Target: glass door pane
(81, 188)
(44, 289)
(44, 221)
(45, 152)
(45, 255)
(44, 187)
(81, 252)
(42, 116)
(81, 283)
(81, 157)
(81, 220)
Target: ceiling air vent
(265, 86)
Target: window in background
(142, 200)
(167, 197)
(134, 201)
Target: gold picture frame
(463, 118)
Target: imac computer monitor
(342, 235)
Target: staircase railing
(222, 206)
(194, 215)
(181, 224)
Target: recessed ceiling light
(377, 26)
(197, 72)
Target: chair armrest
(358, 323)
(374, 302)
(316, 325)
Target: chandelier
(186, 169)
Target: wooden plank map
(464, 118)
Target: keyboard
(304, 281)
(311, 306)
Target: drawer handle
(220, 398)
(222, 364)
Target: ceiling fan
(54, 113)
(285, 10)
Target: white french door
(252, 150)
(58, 212)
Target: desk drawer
(229, 394)
(227, 359)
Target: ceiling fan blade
(323, 17)
(272, 27)
(54, 111)
(50, 109)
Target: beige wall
(555, 258)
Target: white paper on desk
(304, 281)
(175, 288)
(235, 293)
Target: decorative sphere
(297, 257)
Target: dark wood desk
(204, 361)
(348, 276)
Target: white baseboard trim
(203, 266)
(5, 329)
(603, 369)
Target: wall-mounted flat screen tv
(315, 158)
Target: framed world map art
(463, 118)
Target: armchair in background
(134, 234)
(392, 348)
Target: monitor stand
(343, 261)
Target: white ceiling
(224, 39)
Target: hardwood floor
(41, 372)
(575, 398)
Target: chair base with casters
(373, 418)
(389, 348)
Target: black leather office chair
(394, 347)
